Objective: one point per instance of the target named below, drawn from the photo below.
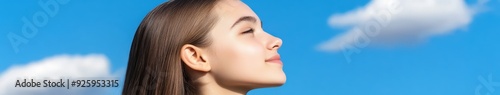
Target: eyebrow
(245, 18)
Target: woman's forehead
(233, 8)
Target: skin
(238, 60)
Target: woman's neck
(213, 88)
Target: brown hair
(154, 65)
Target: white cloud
(55, 68)
(400, 22)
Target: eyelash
(249, 31)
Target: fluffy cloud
(395, 22)
(55, 68)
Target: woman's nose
(274, 42)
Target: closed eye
(248, 31)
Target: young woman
(202, 47)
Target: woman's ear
(192, 57)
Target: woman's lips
(275, 59)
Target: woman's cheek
(250, 57)
(251, 51)
(243, 55)
(248, 61)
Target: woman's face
(242, 53)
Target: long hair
(154, 65)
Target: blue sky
(447, 64)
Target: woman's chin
(275, 81)
(280, 82)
